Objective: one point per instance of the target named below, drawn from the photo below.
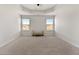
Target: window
(49, 23)
(25, 24)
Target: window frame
(28, 25)
(50, 24)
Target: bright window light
(25, 24)
(49, 23)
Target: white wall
(8, 23)
(67, 23)
(38, 23)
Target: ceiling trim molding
(38, 11)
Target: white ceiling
(49, 8)
(40, 7)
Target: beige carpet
(39, 46)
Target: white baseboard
(10, 40)
(70, 41)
